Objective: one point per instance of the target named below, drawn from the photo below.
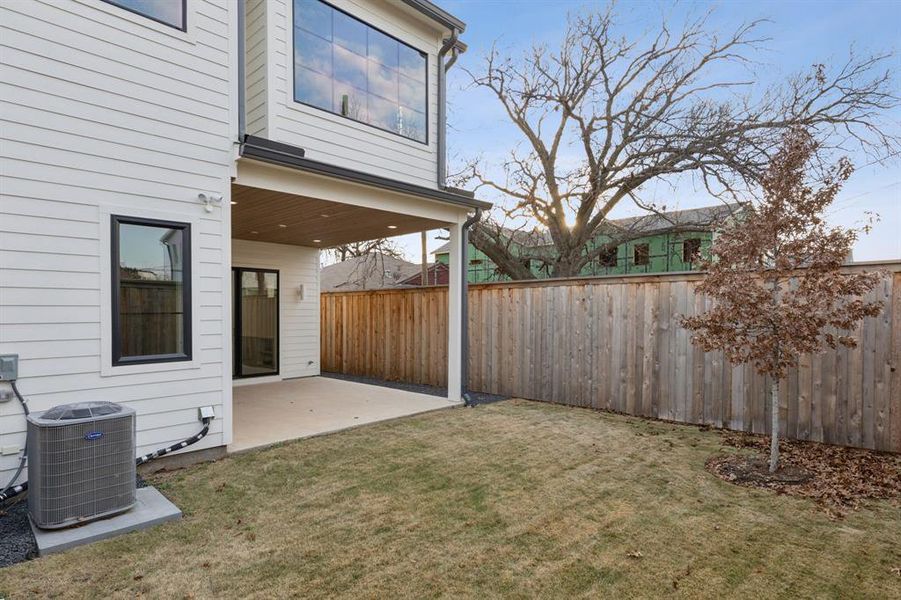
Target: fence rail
(615, 343)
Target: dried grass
(516, 499)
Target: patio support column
(454, 314)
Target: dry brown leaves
(841, 478)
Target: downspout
(464, 310)
(242, 92)
(450, 45)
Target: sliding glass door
(255, 326)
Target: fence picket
(615, 343)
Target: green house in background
(667, 243)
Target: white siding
(255, 44)
(105, 110)
(337, 140)
(298, 318)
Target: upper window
(691, 250)
(608, 257)
(344, 66)
(642, 254)
(151, 285)
(168, 12)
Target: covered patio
(269, 413)
(284, 209)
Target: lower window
(151, 290)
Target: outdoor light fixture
(392, 226)
(300, 292)
(316, 241)
(233, 202)
(282, 225)
(209, 200)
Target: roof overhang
(285, 155)
(436, 13)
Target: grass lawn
(515, 499)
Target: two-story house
(170, 171)
(668, 242)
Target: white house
(170, 171)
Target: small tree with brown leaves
(775, 276)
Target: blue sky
(802, 32)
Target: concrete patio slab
(152, 508)
(268, 413)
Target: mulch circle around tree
(839, 479)
(755, 470)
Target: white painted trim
(454, 315)
(233, 58)
(106, 328)
(227, 341)
(189, 36)
(272, 65)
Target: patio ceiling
(282, 218)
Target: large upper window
(168, 12)
(151, 285)
(344, 66)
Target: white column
(454, 314)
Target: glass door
(255, 326)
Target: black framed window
(151, 290)
(168, 12)
(352, 69)
(256, 322)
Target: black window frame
(184, 15)
(237, 323)
(293, 81)
(187, 273)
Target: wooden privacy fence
(399, 335)
(615, 343)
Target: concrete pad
(151, 508)
(268, 413)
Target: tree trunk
(774, 426)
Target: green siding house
(671, 242)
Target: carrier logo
(93, 435)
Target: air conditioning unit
(81, 463)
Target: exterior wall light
(209, 200)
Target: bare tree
(381, 246)
(375, 271)
(636, 112)
(775, 277)
(371, 270)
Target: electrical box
(9, 367)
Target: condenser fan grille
(81, 469)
